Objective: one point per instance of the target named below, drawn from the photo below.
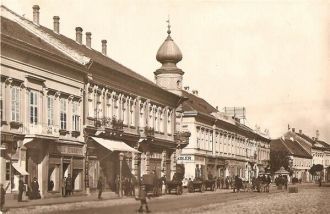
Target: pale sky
(272, 57)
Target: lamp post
(121, 158)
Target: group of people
(127, 186)
(67, 186)
(282, 180)
(261, 183)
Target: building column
(43, 173)
(173, 163)
(147, 162)
(163, 163)
(2, 167)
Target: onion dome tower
(169, 76)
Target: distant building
(304, 152)
(218, 145)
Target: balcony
(182, 138)
(149, 132)
(41, 129)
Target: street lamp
(121, 158)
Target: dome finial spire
(168, 25)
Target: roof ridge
(286, 146)
(32, 28)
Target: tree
(279, 159)
(315, 168)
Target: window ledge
(14, 124)
(75, 133)
(63, 131)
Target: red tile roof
(290, 146)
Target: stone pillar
(147, 162)
(43, 173)
(2, 167)
(173, 163)
(163, 163)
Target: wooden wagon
(152, 184)
(196, 185)
(175, 185)
(210, 184)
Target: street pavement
(309, 199)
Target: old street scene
(164, 107)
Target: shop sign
(70, 150)
(185, 158)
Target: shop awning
(20, 169)
(115, 145)
(27, 140)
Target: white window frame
(50, 111)
(63, 114)
(75, 116)
(15, 104)
(33, 107)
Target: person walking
(35, 189)
(68, 185)
(100, 187)
(227, 182)
(222, 181)
(143, 199)
(63, 187)
(3, 196)
(21, 189)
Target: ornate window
(50, 111)
(33, 107)
(15, 104)
(63, 114)
(75, 116)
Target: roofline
(10, 41)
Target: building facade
(218, 145)
(68, 109)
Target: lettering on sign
(70, 150)
(185, 158)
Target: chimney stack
(300, 131)
(317, 134)
(195, 92)
(293, 130)
(36, 14)
(186, 88)
(104, 47)
(89, 39)
(56, 24)
(217, 108)
(79, 35)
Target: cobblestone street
(309, 199)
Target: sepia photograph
(165, 106)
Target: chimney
(89, 39)
(104, 47)
(317, 134)
(195, 92)
(186, 88)
(300, 131)
(36, 14)
(56, 24)
(217, 108)
(293, 130)
(79, 35)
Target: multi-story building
(304, 152)
(68, 109)
(218, 145)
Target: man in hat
(2, 196)
(100, 187)
(21, 188)
(143, 199)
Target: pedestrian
(21, 189)
(117, 180)
(320, 181)
(68, 185)
(63, 187)
(3, 196)
(51, 185)
(35, 189)
(222, 181)
(100, 187)
(285, 181)
(143, 199)
(218, 182)
(227, 182)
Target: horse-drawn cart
(175, 185)
(152, 184)
(196, 185)
(210, 184)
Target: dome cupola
(169, 53)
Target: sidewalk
(11, 203)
